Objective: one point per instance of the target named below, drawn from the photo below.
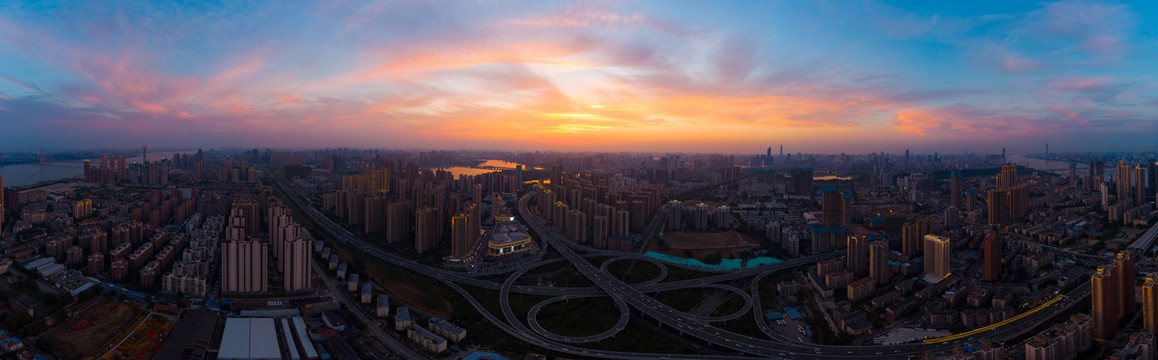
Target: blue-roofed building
(383, 308)
(402, 318)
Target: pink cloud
(1079, 83)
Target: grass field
(108, 318)
(579, 317)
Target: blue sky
(823, 76)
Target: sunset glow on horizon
(732, 77)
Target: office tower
(992, 257)
(2, 203)
(1122, 182)
(243, 260)
(1104, 307)
(831, 205)
(937, 250)
(857, 256)
(1139, 186)
(397, 222)
(1150, 305)
(295, 259)
(600, 230)
(956, 197)
(1124, 263)
(879, 261)
(425, 222)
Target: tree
(713, 258)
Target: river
(28, 174)
(457, 171)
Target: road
(396, 346)
(636, 297)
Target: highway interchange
(635, 296)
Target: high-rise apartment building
(1124, 262)
(1104, 306)
(879, 261)
(295, 259)
(464, 228)
(397, 222)
(992, 257)
(425, 221)
(243, 260)
(1150, 305)
(600, 230)
(831, 205)
(1097, 174)
(857, 256)
(1139, 186)
(1122, 181)
(937, 251)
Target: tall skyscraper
(243, 260)
(857, 256)
(937, 251)
(992, 257)
(879, 261)
(1150, 305)
(1124, 263)
(1104, 307)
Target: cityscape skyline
(685, 77)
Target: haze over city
(557, 180)
(731, 77)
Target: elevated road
(635, 296)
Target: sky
(695, 76)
